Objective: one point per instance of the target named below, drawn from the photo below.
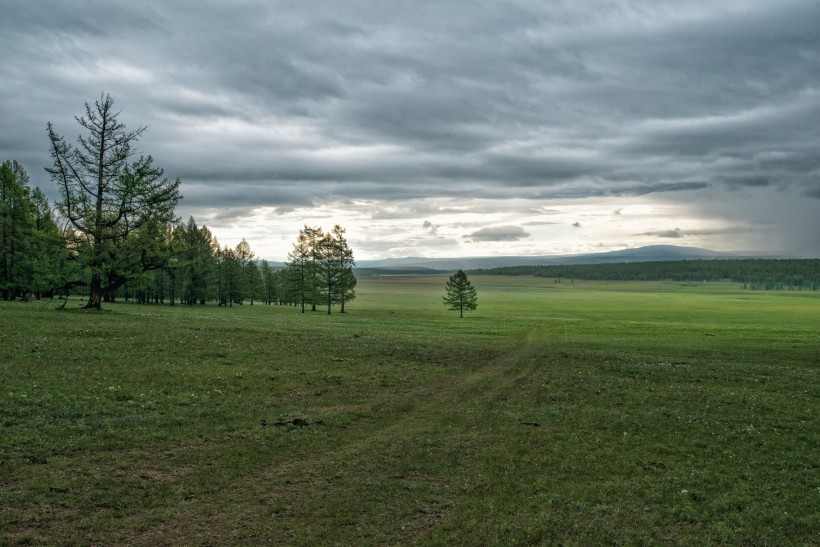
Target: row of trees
(198, 270)
(114, 233)
(764, 274)
(34, 254)
(320, 268)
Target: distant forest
(754, 274)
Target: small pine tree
(461, 295)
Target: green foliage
(123, 240)
(300, 269)
(461, 295)
(34, 257)
(584, 413)
(110, 199)
(197, 263)
(335, 269)
(16, 224)
(765, 274)
(320, 268)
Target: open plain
(557, 412)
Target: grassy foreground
(576, 413)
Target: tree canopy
(320, 268)
(461, 295)
(34, 255)
(109, 197)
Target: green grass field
(568, 413)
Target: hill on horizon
(651, 253)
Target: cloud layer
(709, 109)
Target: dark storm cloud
(677, 233)
(290, 104)
(673, 234)
(670, 187)
(498, 233)
(738, 182)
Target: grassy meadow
(557, 413)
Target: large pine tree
(106, 194)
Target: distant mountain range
(650, 253)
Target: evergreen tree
(255, 282)
(231, 278)
(300, 269)
(106, 194)
(16, 224)
(50, 262)
(320, 268)
(242, 282)
(199, 252)
(313, 237)
(461, 295)
(268, 283)
(151, 253)
(34, 256)
(339, 279)
(286, 291)
(327, 273)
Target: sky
(445, 129)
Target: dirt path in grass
(390, 479)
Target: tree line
(113, 234)
(754, 274)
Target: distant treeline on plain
(755, 274)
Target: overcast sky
(452, 128)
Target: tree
(268, 282)
(16, 224)
(285, 291)
(340, 258)
(34, 254)
(299, 268)
(49, 257)
(244, 256)
(313, 238)
(106, 194)
(255, 282)
(347, 288)
(461, 295)
(231, 277)
(199, 263)
(320, 268)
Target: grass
(571, 413)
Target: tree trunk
(172, 281)
(95, 294)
